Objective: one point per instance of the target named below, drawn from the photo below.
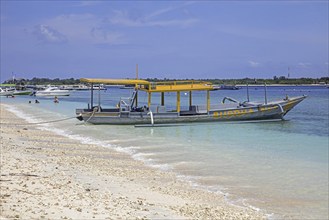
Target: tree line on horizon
(251, 81)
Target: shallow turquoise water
(279, 167)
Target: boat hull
(274, 110)
(15, 92)
(52, 93)
(22, 92)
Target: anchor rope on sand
(43, 122)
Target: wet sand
(48, 176)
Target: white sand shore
(44, 175)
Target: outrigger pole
(265, 93)
(248, 92)
(99, 96)
(92, 96)
(136, 87)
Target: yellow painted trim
(262, 109)
(232, 112)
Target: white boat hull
(52, 91)
(52, 94)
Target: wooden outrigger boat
(130, 113)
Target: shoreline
(283, 85)
(45, 175)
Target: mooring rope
(53, 121)
(43, 122)
(92, 114)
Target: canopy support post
(248, 99)
(190, 98)
(178, 102)
(208, 101)
(136, 86)
(136, 97)
(265, 94)
(92, 96)
(99, 97)
(149, 100)
(162, 98)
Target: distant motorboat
(22, 92)
(127, 87)
(52, 91)
(99, 87)
(226, 87)
(6, 92)
(13, 92)
(79, 87)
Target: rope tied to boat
(92, 113)
(43, 122)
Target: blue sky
(168, 39)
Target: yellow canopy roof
(165, 86)
(177, 86)
(116, 81)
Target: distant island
(275, 80)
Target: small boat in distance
(226, 87)
(78, 87)
(5, 92)
(13, 92)
(81, 87)
(52, 91)
(129, 112)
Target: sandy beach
(48, 176)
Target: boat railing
(124, 104)
(161, 109)
(201, 109)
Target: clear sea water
(278, 167)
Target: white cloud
(103, 36)
(88, 3)
(159, 12)
(303, 65)
(86, 28)
(253, 64)
(47, 34)
(124, 18)
(92, 29)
